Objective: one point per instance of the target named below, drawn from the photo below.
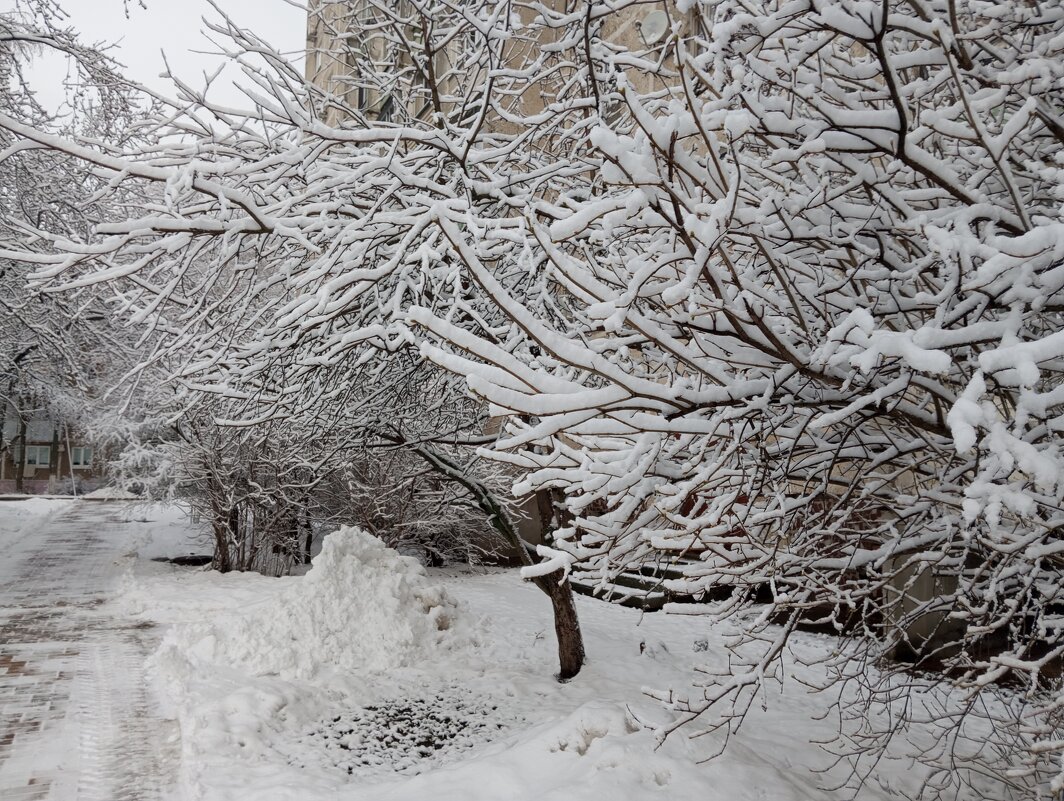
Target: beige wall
(333, 31)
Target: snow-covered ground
(367, 679)
(370, 679)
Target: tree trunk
(221, 518)
(556, 586)
(223, 563)
(236, 537)
(309, 541)
(53, 462)
(566, 624)
(547, 510)
(20, 455)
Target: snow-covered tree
(265, 212)
(775, 293)
(58, 354)
(811, 344)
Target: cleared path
(76, 719)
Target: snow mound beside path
(110, 494)
(361, 607)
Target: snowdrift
(110, 494)
(361, 607)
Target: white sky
(173, 27)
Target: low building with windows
(40, 454)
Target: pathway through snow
(76, 720)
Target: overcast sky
(173, 27)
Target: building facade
(40, 454)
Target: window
(81, 457)
(38, 455)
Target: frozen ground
(366, 680)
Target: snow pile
(110, 494)
(361, 607)
(22, 516)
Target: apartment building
(360, 56)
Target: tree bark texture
(566, 624)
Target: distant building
(40, 454)
(352, 54)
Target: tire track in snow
(126, 753)
(80, 721)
